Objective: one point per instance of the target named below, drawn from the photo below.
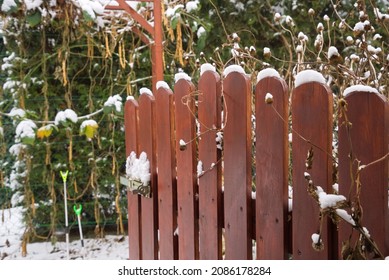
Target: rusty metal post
(154, 31)
(157, 48)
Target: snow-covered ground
(11, 230)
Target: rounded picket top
(209, 77)
(130, 102)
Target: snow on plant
(113, 104)
(269, 98)
(89, 128)
(91, 8)
(45, 131)
(266, 52)
(192, 6)
(8, 6)
(138, 168)
(25, 131)
(17, 113)
(64, 117)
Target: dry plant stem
(360, 168)
(343, 112)
(371, 242)
(220, 18)
(286, 43)
(338, 15)
(211, 168)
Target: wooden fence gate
(229, 199)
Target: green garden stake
(78, 213)
(64, 176)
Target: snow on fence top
(233, 68)
(268, 72)
(207, 67)
(162, 84)
(182, 75)
(145, 90)
(351, 89)
(308, 76)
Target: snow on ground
(112, 247)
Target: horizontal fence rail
(222, 167)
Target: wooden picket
(210, 184)
(366, 142)
(167, 186)
(134, 233)
(237, 166)
(149, 217)
(272, 156)
(187, 203)
(203, 204)
(312, 129)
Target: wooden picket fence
(214, 215)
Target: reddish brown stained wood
(149, 215)
(237, 167)
(272, 169)
(210, 182)
(186, 170)
(131, 139)
(167, 191)
(312, 118)
(368, 113)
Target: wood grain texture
(167, 185)
(366, 141)
(272, 154)
(210, 183)
(237, 167)
(149, 215)
(133, 201)
(312, 107)
(186, 170)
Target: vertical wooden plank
(186, 170)
(312, 118)
(209, 115)
(133, 201)
(368, 114)
(149, 218)
(237, 167)
(271, 169)
(167, 192)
